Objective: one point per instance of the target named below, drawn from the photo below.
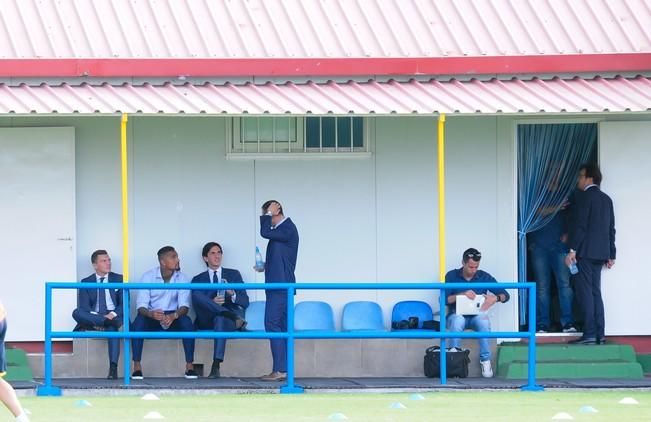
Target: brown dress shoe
(275, 376)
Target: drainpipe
(441, 178)
(125, 198)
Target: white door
(37, 225)
(624, 152)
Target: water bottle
(259, 264)
(573, 268)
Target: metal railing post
(48, 389)
(290, 387)
(443, 341)
(126, 356)
(531, 365)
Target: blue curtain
(548, 155)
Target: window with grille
(269, 135)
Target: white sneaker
(486, 369)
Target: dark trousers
(587, 287)
(143, 323)
(88, 320)
(208, 320)
(275, 320)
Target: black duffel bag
(457, 362)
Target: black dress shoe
(240, 324)
(113, 372)
(585, 341)
(214, 370)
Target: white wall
(360, 220)
(623, 156)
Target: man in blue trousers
(163, 309)
(279, 267)
(218, 308)
(101, 309)
(592, 246)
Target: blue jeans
(544, 263)
(458, 323)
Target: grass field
(475, 406)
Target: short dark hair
(592, 170)
(94, 255)
(208, 246)
(471, 253)
(164, 251)
(265, 206)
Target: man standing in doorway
(592, 245)
(282, 251)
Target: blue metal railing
(50, 390)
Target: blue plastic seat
(362, 316)
(313, 316)
(255, 316)
(412, 308)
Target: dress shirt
(165, 300)
(211, 275)
(110, 306)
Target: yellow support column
(125, 198)
(441, 165)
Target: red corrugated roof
(424, 97)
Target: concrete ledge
(252, 358)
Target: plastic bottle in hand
(573, 268)
(259, 264)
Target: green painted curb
(17, 366)
(645, 361)
(569, 370)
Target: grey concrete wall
(252, 358)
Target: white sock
(22, 417)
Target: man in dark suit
(101, 309)
(592, 245)
(218, 308)
(282, 251)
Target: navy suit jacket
(282, 251)
(203, 299)
(87, 298)
(592, 230)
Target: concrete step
(566, 352)
(573, 369)
(252, 358)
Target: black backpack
(457, 362)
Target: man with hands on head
(469, 273)
(282, 251)
(163, 309)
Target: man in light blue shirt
(163, 309)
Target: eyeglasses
(474, 256)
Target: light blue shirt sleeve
(184, 296)
(144, 296)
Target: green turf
(455, 406)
